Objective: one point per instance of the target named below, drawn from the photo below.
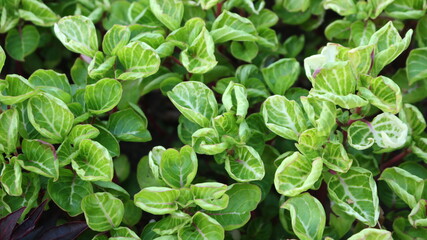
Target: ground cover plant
(210, 119)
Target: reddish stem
(176, 60)
(396, 159)
(218, 9)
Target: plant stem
(396, 159)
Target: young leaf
(78, 34)
(202, 227)
(389, 131)
(169, 12)
(21, 44)
(82, 131)
(360, 135)
(244, 164)
(418, 217)
(103, 96)
(178, 169)
(122, 233)
(116, 37)
(308, 216)
(335, 157)
(157, 200)
(9, 122)
(102, 211)
(381, 92)
(281, 75)
(172, 223)
(11, 177)
(235, 98)
(342, 7)
(297, 174)
(355, 193)
(210, 195)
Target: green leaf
(116, 37)
(23, 43)
(342, 7)
(169, 12)
(322, 114)
(129, 125)
(50, 117)
(283, 117)
(145, 175)
(244, 164)
(281, 75)
(30, 194)
(416, 65)
(9, 121)
(406, 185)
(123, 233)
(308, 216)
(335, 157)
(297, 174)
(202, 227)
(195, 101)
(412, 116)
(107, 139)
(103, 96)
(372, 234)
(420, 32)
(77, 34)
(296, 5)
(11, 177)
(355, 193)
(93, 162)
(39, 157)
(210, 195)
(381, 92)
(207, 141)
(402, 9)
(82, 131)
(68, 191)
(50, 78)
(139, 60)
(243, 198)
(418, 217)
(38, 13)
(245, 51)
(389, 131)
(361, 58)
(338, 29)
(265, 19)
(360, 136)
(377, 7)
(207, 4)
(235, 99)
(231, 26)
(389, 45)
(361, 32)
(178, 169)
(2, 58)
(101, 66)
(172, 223)
(102, 211)
(157, 200)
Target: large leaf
(157, 200)
(416, 65)
(9, 121)
(94, 162)
(50, 78)
(78, 34)
(21, 44)
(129, 125)
(413, 117)
(283, 117)
(195, 101)
(68, 191)
(103, 96)
(102, 211)
(407, 186)
(169, 12)
(39, 157)
(244, 164)
(210, 195)
(308, 216)
(281, 75)
(231, 26)
(355, 193)
(115, 38)
(381, 92)
(139, 60)
(297, 174)
(50, 117)
(202, 227)
(402, 9)
(38, 13)
(178, 169)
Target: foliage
(209, 119)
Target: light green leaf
(245, 51)
(139, 60)
(403, 9)
(372, 234)
(309, 143)
(244, 164)
(307, 215)
(9, 123)
(11, 177)
(210, 195)
(101, 66)
(21, 44)
(68, 191)
(406, 185)
(172, 223)
(296, 5)
(115, 38)
(416, 65)
(154, 159)
(202, 227)
(207, 141)
(103, 96)
(412, 116)
(129, 125)
(297, 174)
(420, 32)
(361, 32)
(78, 34)
(335, 157)
(50, 117)
(207, 4)
(82, 131)
(231, 26)
(123, 233)
(361, 58)
(360, 135)
(322, 114)
(418, 217)
(389, 131)
(38, 13)
(283, 117)
(93, 162)
(50, 78)
(39, 157)
(265, 19)
(2, 58)
(235, 99)
(169, 12)
(389, 45)
(348, 101)
(195, 101)
(377, 7)
(281, 75)
(157, 200)
(338, 29)
(355, 193)
(102, 211)
(342, 7)
(178, 169)
(381, 92)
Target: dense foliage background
(209, 119)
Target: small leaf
(381, 92)
(78, 34)
(296, 5)
(157, 200)
(23, 43)
(202, 227)
(338, 29)
(244, 164)
(412, 116)
(360, 135)
(115, 38)
(82, 131)
(102, 211)
(103, 96)
(297, 174)
(235, 98)
(50, 78)
(231, 26)
(361, 32)
(210, 196)
(245, 51)
(416, 65)
(171, 224)
(308, 216)
(342, 7)
(281, 75)
(11, 177)
(129, 125)
(9, 123)
(123, 233)
(169, 12)
(178, 169)
(389, 131)
(101, 66)
(418, 217)
(38, 13)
